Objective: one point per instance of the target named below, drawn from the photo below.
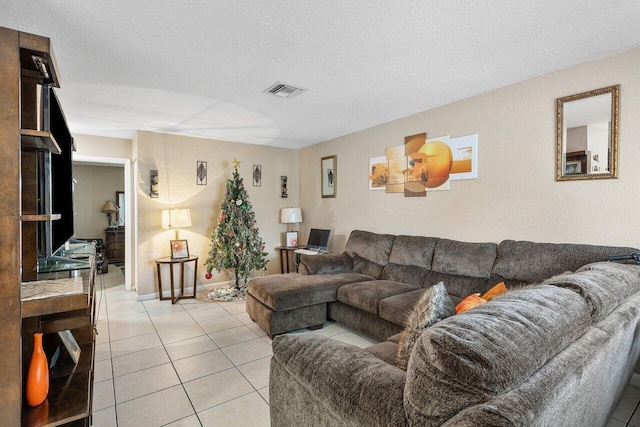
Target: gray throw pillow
(432, 306)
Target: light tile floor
(195, 363)
(200, 363)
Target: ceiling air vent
(284, 90)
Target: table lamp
(290, 216)
(109, 208)
(176, 219)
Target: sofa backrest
(522, 262)
(469, 358)
(410, 259)
(580, 385)
(369, 251)
(463, 267)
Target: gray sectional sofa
(376, 281)
(556, 353)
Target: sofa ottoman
(286, 302)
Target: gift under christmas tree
(236, 245)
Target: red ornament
(208, 276)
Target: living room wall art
(329, 175)
(283, 187)
(465, 157)
(257, 175)
(416, 167)
(396, 164)
(421, 165)
(378, 173)
(153, 183)
(201, 173)
(439, 159)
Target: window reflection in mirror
(587, 135)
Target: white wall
(516, 195)
(175, 159)
(95, 185)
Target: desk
(171, 261)
(284, 256)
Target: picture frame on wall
(329, 176)
(179, 249)
(291, 238)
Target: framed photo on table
(179, 249)
(292, 239)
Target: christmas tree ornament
(208, 276)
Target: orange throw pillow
(498, 289)
(469, 302)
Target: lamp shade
(109, 207)
(176, 218)
(290, 215)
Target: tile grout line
(113, 381)
(632, 414)
(174, 368)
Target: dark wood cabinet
(34, 221)
(115, 244)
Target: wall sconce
(109, 208)
(176, 219)
(290, 216)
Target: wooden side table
(171, 261)
(284, 256)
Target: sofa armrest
(325, 263)
(315, 380)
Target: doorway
(103, 207)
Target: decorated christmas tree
(235, 242)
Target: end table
(171, 261)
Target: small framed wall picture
(153, 183)
(329, 176)
(292, 239)
(179, 249)
(257, 175)
(201, 172)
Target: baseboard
(165, 293)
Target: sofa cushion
(395, 309)
(370, 246)
(325, 263)
(385, 350)
(457, 286)
(531, 262)
(432, 306)
(366, 267)
(463, 258)
(413, 250)
(604, 285)
(468, 358)
(367, 295)
(410, 274)
(282, 292)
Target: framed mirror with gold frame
(587, 135)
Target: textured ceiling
(198, 67)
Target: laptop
(317, 242)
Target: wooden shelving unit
(39, 140)
(27, 221)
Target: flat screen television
(61, 176)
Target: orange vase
(38, 377)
